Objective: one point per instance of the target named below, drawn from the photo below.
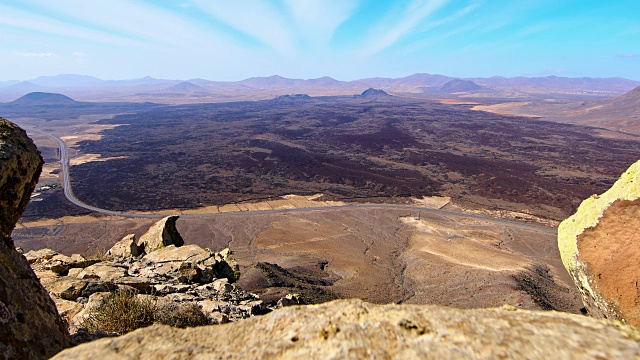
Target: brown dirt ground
(380, 256)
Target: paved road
(68, 193)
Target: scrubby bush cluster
(124, 311)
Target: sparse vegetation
(179, 315)
(100, 255)
(123, 311)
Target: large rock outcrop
(163, 233)
(186, 276)
(353, 329)
(599, 248)
(30, 327)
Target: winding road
(68, 193)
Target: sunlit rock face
(599, 248)
(30, 327)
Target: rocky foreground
(184, 275)
(353, 329)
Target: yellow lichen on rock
(588, 216)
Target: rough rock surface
(599, 248)
(30, 327)
(353, 329)
(127, 247)
(163, 233)
(185, 275)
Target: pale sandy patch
(82, 219)
(455, 102)
(464, 246)
(93, 133)
(258, 206)
(86, 158)
(48, 169)
(73, 140)
(314, 197)
(511, 108)
(433, 202)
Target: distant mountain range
(76, 81)
(88, 88)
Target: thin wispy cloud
(536, 28)
(449, 19)
(35, 54)
(628, 56)
(412, 16)
(259, 19)
(317, 20)
(144, 23)
(19, 19)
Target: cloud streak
(317, 20)
(256, 18)
(628, 56)
(35, 54)
(412, 16)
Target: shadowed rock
(127, 247)
(30, 327)
(353, 329)
(161, 234)
(599, 248)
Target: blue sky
(345, 39)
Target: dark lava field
(347, 148)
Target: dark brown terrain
(346, 148)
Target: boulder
(104, 271)
(290, 300)
(171, 253)
(224, 265)
(67, 309)
(30, 326)
(61, 264)
(141, 284)
(94, 301)
(599, 248)
(353, 329)
(161, 234)
(42, 254)
(222, 286)
(127, 247)
(71, 289)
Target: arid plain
(462, 202)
